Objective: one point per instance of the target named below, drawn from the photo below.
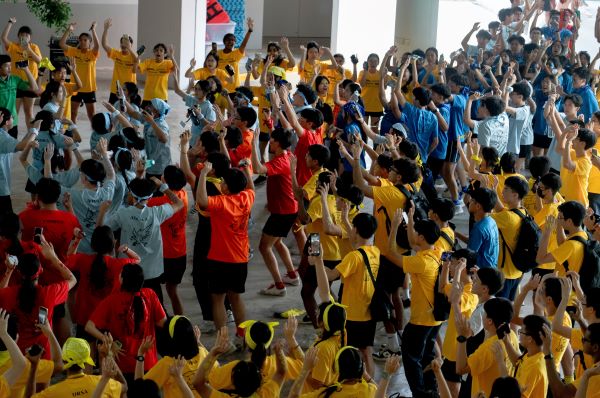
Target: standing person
(519, 113)
(86, 56)
(492, 130)
(228, 253)
(9, 87)
(581, 77)
(281, 203)
(59, 75)
(125, 60)
(24, 50)
(209, 68)
(576, 166)
(369, 79)
(157, 72)
(232, 56)
(483, 237)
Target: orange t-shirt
(173, 229)
(229, 236)
(243, 151)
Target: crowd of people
(505, 130)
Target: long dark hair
(261, 334)
(182, 342)
(29, 266)
(132, 277)
(350, 366)
(336, 322)
(10, 226)
(246, 378)
(124, 159)
(103, 243)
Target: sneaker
(250, 254)
(272, 290)
(458, 207)
(305, 320)
(260, 180)
(230, 317)
(207, 327)
(384, 353)
(290, 281)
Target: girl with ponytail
(129, 315)
(98, 273)
(25, 299)
(123, 163)
(11, 244)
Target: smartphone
(446, 256)
(13, 260)
(149, 163)
(141, 50)
(22, 64)
(442, 58)
(213, 46)
(248, 65)
(571, 309)
(229, 70)
(35, 350)
(503, 330)
(37, 235)
(314, 245)
(42, 315)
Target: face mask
(540, 193)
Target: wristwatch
(139, 358)
(461, 339)
(549, 356)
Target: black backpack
(589, 273)
(381, 307)
(528, 243)
(421, 210)
(441, 304)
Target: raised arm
(176, 203)
(184, 161)
(49, 254)
(289, 111)
(189, 72)
(467, 113)
(13, 374)
(357, 176)
(257, 166)
(571, 134)
(465, 41)
(102, 148)
(176, 86)
(285, 45)
(96, 47)
(250, 24)
(6, 31)
(162, 136)
(201, 193)
(105, 45)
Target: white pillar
(178, 22)
(255, 10)
(416, 24)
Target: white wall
(124, 14)
(297, 18)
(254, 10)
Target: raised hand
(107, 23)
(48, 152)
(250, 23)
(146, 344)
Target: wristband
(115, 113)
(72, 127)
(34, 131)
(139, 358)
(163, 188)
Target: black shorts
(86, 98)
(449, 371)
(26, 94)
(112, 98)
(264, 137)
(360, 334)
(226, 277)
(541, 141)
(13, 132)
(59, 312)
(435, 165)
(452, 151)
(374, 114)
(279, 225)
(541, 272)
(524, 151)
(307, 272)
(174, 270)
(390, 275)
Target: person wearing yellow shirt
(509, 223)
(419, 336)
(575, 164)
(24, 50)
(594, 180)
(59, 74)
(369, 79)
(86, 56)
(441, 211)
(18, 362)
(348, 201)
(483, 364)
(125, 60)
(247, 379)
(286, 62)
(539, 166)
(157, 72)
(337, 75)
(231, 56)
(209, 69)
(321, 85)
(547, 202)
(508, 163)
(310, 65)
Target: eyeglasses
(521, 331)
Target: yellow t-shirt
(501, 179)
(344, 241)
(362, 390)
(386, 199)
(548, 209)
(269, 389)
(232, 58)
(310, 188)
(530, 199)
(308, 72)
(358, 287)
(157, 78)
(569, 250)
(370, 91)
(575, 183)
(17, 53)
(81, 386)
(204, 73)
(509, 224)
(70, 91)
(43, 375)
(593, 388)
(468, 302)
(334, 76)
(285, 64)
(4, 388)
(483, 366)
(86, 67)
(161, 376)
(221, 102)
(531, 375)
(577, 345)
(331, 248)
(323, 370)
(123, 70)
(594, 180)
(423, 268)
(559, 343)
(220, 377)
(442, 244)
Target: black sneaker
(260, 180)
(384, 353)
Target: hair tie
(248, 325)
(37, 274)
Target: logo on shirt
(141, 237)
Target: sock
(393, 343)
(279, 285)
(569, 379)
(292, 274)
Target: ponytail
(103, 243)
(138, 312)
(30, 269)
(10, 227)
(98, 272)
(259, 355)
(132, 276)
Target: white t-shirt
(493, 132)
(517, 123)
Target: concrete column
(178, 22)
(255, 10)
(416, 24)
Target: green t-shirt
(8, 94)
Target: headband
(326, 313)
(303, 96)
(172, 324)
(106, 121)
(248, 325)
(336, 363)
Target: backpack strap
(504, 245)
(447, 238)
(579, 239)
(367, 264)
(388, 220)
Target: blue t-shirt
(422, 126)
(440, 150)
(483, 239)
(352, 129)
(456, 128)
(387, 121)
(590, 103)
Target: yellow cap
(277, 71)
(76, 352)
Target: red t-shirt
(46, 296)
(28, 248)
(229, 229)
(173, 229)
(87, 296)
(58, 227)
(307, 139)
(115, 314)
(280, 195)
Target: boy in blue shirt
(483, 238)
(439, 107)
(581, 76)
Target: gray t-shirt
(120, 190)
(156, 150)
(517, 128)
(207, 112)
(140, 230)
(7, 147)
(44, 138)
(65, 178)
(493, 132)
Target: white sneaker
(458, 207)
(290, 281)
(207, 327)
(230, 317)
(272, 290)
